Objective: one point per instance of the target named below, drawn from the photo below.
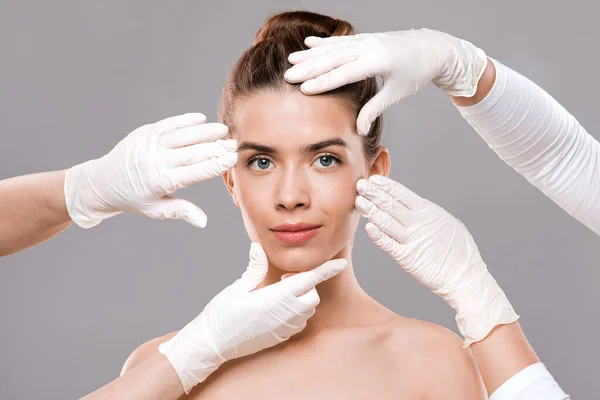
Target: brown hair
(262, 66)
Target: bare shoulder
(144, 351)
(420, 337)
(436, 357)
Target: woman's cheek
(337, 191)
(252, 202)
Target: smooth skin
(138, 175)
(153, 379)
(32, 210)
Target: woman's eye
(260, 163)
(326, 161)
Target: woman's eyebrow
(312, 148)
(255, 146)
(308, 148)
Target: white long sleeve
(531, 383)
(535, 135)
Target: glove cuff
(193, 365)
(464, 70)
(475, 328)
(84, 205)
(484, 308)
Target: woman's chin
(297, 259)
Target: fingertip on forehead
(312, 39)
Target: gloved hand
(406, 60)
(145, 167)
(240, 320)
(437, 250)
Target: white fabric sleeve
(531, 383)
(535, 135)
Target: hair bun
(302, 23)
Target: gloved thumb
(257, 268)
(373, 109)
(174, 208)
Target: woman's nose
(292, 191)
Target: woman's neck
(343, 302)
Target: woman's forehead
(292, 118)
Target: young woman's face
(295, 180)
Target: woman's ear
(228, 178)
(381, 164)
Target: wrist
(192, 363)
(57, 203)
(465, 65)
(502, 354)
(85, 206)
(484, 87)
(480, 306)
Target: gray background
(78, 76)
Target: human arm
(32, 210)
(154, 378)
(539, 139)
(138, 176)
(438, 251)
(511, 369)
(239, 321)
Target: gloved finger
(383, 220)
(175, 208)
(179, 121)
(375, 107)
(316, 67)
(257, 268)
(304, 281)
(191, 135)
(313, 41)
(310, 299)
(385, 202)
(317, 46)
(306, 61)
(399, 192)
(190, 174)
(284, 276)
(201, 152)
(384, 242)
(302, 56)
(351, 72)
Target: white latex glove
(406, 60)
(437, 250)
(145, 167)
(240, 320)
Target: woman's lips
(296, 233)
